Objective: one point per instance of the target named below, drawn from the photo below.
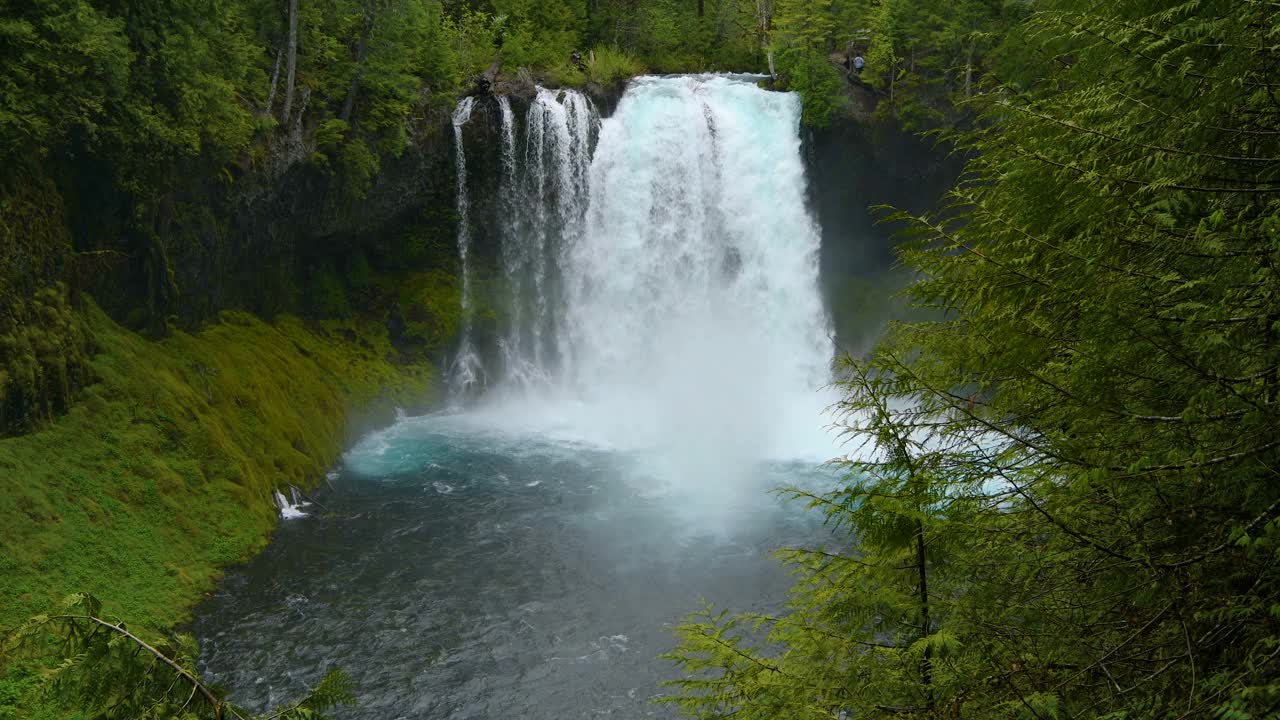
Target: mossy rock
(44, 348)
(43, 344)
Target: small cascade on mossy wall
(660, 269)
(466, 370)
(292, 506)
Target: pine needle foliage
(1079, 458)
(99, 667)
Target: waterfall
(290, 507)
(467, 369)
(662, 276)
(692, 299)
(545, 200)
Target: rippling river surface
(660, 372)
(457, 571)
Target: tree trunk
(764, 20)
(291, 73)
(922, 568)
(922, 574)
(701, 8)
(275, 80)
(968, 73)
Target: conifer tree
(1094, 408)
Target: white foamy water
(544, 195)
(290, 507)
(662, 269)
(662, 277)
(467, 369)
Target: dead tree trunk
(291, 73)
(275, 80)
(764, 27)
(968, 73)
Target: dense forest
(1062, 497)
(137, 137)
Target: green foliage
(671, 35)
(97, 666)
(164, 470)
(189, 66)
(431, 305)
(43, 343)
(804, 24)
(331, 133)
(922, 56)
(1076, 449)
(868, 629)
(540, 33)
(473, 38)
(359, 166)
(160, 81)
(63, 61)
(610, 66)
(366, 63)
(928, 56)
(807, 72)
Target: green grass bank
(162, 472)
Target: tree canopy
(1063, 498)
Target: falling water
(545, 196)
(664, 292)
(467, 369)
(692, 301)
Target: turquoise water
(664, 369)
(459, 571)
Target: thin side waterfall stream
(662, 369)
(466, 368)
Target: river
(528, 552)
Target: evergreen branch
(1165, 64)
(733, 648)
(1269, 190)
(1197, 123)
(981, 210)
(1022, 492)
(1136, 634)
(1149, 31)
(1145, 146)
(213, 700)
(1251, 527)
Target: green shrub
(809, 73)
(608, 65)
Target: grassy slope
(163, 471)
